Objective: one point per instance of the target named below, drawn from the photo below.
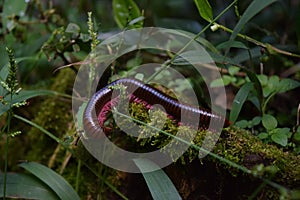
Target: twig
(271, 49)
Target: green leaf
(24, 95)
(258, 88)
(230, 43)
(232, 70)
(217, 83)
(280, 136)
(26, 187)
(272, 86)
(297, 134)
(287, 85)
(79, 116)
(159, 184)
(263, 79)
(239, 101)
(228, 79)
(269, 122)
(74, 29)
(256, 120)
(255, 7)
(56, 182)
(225, 80)
(126, 11)
(242, 124)
(263, 136)
(204, 9)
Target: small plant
(270, 87)
(10, 88)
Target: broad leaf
(56, 182)
(280, 136)
(73, 28)
(287, 85)
(26, 187)
(269, 122)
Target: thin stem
(5, 164)
(264, 106)
(269, 47)
(168, 62)
(78, 175)
(198, 148)
(10, 113)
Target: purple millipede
(146, 93)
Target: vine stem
(267, 46)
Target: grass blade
(159, 184)
(255, 7)
(56, 182)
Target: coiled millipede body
(137, 90)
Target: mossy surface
(54, 115)
(245, 149)
(236, 145)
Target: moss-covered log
(235, 145)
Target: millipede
(103, 99)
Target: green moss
(240, 146)
(54, 115)
(236, 145)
